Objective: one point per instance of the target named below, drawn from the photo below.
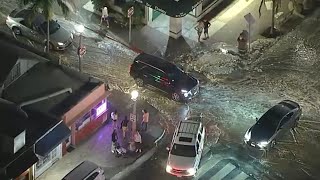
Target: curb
(137, 163)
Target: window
(185, 139)
(83, 121)
(286, 119)
(93, 176)
(198, 147)
(199, 137)
(183, 150)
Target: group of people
(136, 136)
(203, 26)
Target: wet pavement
(233, 92)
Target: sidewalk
(98, 147)
(227, 22)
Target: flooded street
(233, 92)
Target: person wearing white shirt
(138, 141)
(105, 16)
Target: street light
(80, 28)
(134, 96)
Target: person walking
(199, 29)
(114, 117)
(105, 16)
(206, 25)
(124, 126)
(138, 141)
(145, 120)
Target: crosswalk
(218, 168)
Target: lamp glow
(134, 95)
(79, 28)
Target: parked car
(165, 76)
(186, 148)
(86, 171)
(33, 25)
(273, 125)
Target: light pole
(80, 28)
(134, 96)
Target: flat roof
(13, 120)
(45, 78)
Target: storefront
(86, 117)
(153, 9)
(47, 161)
(49, 147)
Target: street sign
(130, 11)
(249, 18)
(132, 117)
(82, 51)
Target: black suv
(165, 76)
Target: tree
(275, 6)
(47, 6)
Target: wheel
(139, 82)
(16, 31)
(296, 123)
(175, 96)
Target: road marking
(207, 166)
(241, 176)
(223, 172)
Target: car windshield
(53, 27)
(183, 150)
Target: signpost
(250, 20)
(130, 13)
(82, 51)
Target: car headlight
(247, 136)
(185, 92)
(60, 44)
(191, 171)
(168, 168)
(262, 144)
(71, 35)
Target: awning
(172, 8)
(51, 140)
(21, 164)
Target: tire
(296, 123)
(175, 96)
(16, 31)
(139, 82)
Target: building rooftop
(46, 78)
(13, 119)
(11, 51)
(36, 125)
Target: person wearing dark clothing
(206, 25)
(114, 139)
(114, 136)
(124, 126)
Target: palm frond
(261, 3)
(64, 7)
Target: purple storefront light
(100, 109)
